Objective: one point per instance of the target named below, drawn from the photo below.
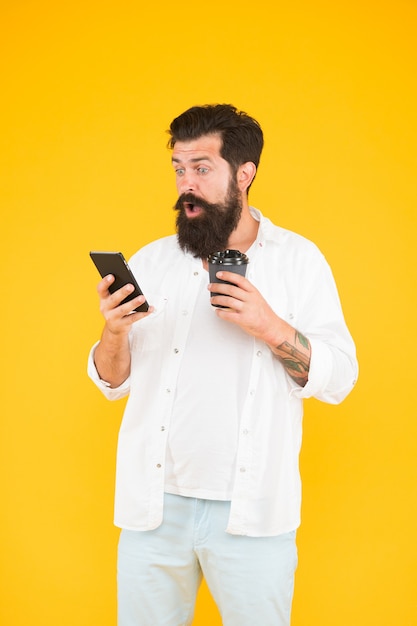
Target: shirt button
(176, 350)
(245, 431)
(168, 390)
(184, 312)
(259, 353)
(162, 428)
(158, 465)
(195, 273)
(243, 470)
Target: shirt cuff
(110, 393)
(319, 372)
(332, 376)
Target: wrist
(114, 336)
(276, 332)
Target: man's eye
(179, 171)
(202, 170)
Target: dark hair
(241, 135)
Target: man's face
(209, 205)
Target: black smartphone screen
(115, 263)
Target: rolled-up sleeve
(333, 367)
(110, 393)
(332, 376)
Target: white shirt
(204, 431)
(293, 276)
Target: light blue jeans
(250, 578)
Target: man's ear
(245, 175)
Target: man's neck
(246, 232)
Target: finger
(226, 289)
(113, 300)
(104, 284)
(232, 277)
(125, 313)
(128, 308)
(221, 302)
(117, 297)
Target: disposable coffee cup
(229, 261)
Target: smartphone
(115, 263)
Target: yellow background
(88, 90)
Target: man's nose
(187, 183)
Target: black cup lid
(228, 257)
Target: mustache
(191, 198)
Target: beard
(210, 231)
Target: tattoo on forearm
(296, 358)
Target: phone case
(115, 263)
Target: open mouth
(192, 210)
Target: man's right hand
(112, 355)
(119, 317)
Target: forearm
(248, 309)
(112, 358)
(293, 349)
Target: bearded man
(207, 466)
